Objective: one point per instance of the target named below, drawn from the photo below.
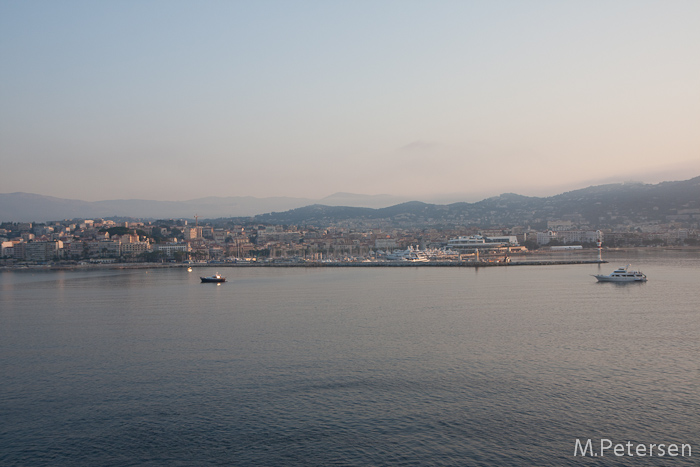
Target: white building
(169, 249)
(8, 249)
(478, 242)
(567, 236)
(133, 248)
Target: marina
(306, 264)
(420, 264)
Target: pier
(304, 264)
(401, 264)
(410, 264)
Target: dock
(408, 264)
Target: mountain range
(597, 206)
(30, 207)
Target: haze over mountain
(157, 100)
(27, 207)
(596, 205)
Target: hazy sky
(185, 99)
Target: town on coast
(105, 243)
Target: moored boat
(622, 274)
(409, 254)
(215, 278)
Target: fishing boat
(215, 278)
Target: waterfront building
(42, 251)
(567, 236)
(475, 242)
(18, 250)
(169, 249)
(216, 252)
(7, 249)
(133, 248)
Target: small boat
(622, 274)
(215, 278)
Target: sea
(410, 366)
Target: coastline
(306, 264)
(549, 258)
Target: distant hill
(364, 201)
(28, 207)
(597, 207)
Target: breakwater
(399, 264)
(305, 264)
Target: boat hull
(620, 279)
(213, 279)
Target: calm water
(409, 366)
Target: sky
(175, 100)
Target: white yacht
(622, 274)
(409, 254)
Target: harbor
(302, 264)
(412, 264)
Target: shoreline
(309, 264)
(549, 258)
